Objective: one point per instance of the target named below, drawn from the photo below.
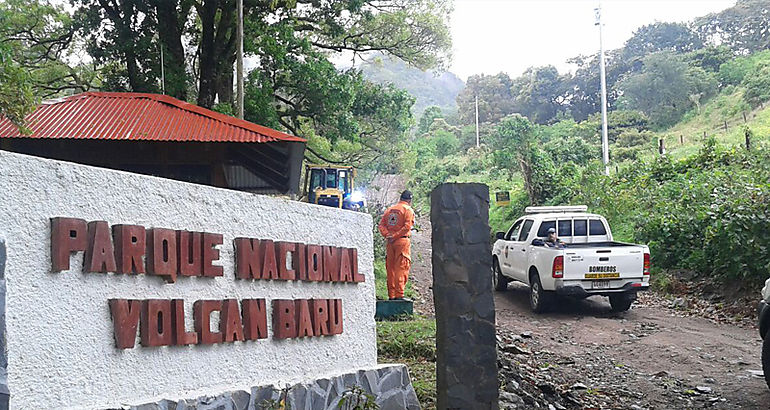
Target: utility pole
(239, 64)
(605, 143)
(477, 121)
(162, 70)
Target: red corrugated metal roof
(137, 116)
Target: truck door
(518, 252)
(510, 238)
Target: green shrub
(757, 85)
(709, 213)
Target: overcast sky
(490, 36)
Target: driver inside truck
(553, 241)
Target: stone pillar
(466, 355)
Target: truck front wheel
(621, 302)
(499, 281)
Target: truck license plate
(600, 284)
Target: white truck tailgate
(603, 263)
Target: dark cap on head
(406, 195)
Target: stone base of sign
(387, 309)
(3, 358)
(390, 386)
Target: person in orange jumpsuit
(396, 226)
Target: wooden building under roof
(159, 135)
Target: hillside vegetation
(703, 206)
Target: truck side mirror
(538, 242)
(500, 235)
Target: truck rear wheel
(539, 299)
(499, 281)
(621, 302)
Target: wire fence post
(747, 134)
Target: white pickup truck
(589, 263)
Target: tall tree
(414, 31)
(744, 28)
(538, 94)
(16, 95)
(582, 89)
(494, 94)
(661, 36)
(517, 147)
(38, 37)
(431, 113)
(666, 88)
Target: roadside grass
(413, 343)
(727, 106)
(381, 282)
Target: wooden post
(725, 125)
(681, 139)
(747, 135)
(704, 135)
(744, 117)
(661, 147)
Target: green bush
(708, 213)
(735, 71)
(757, 85)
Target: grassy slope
(413, 343)
(727, 106)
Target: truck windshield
(331, 178)
(316, 179)
(513, 232)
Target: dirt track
(651, 357)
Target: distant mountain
(428, 88)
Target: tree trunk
(225, 86)
(207, 84)
(121, 13)
(170, 25)
(217, 52)
(225, 52)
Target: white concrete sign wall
(61, 348)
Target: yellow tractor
(333, 186)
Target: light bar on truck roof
(555, 209)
